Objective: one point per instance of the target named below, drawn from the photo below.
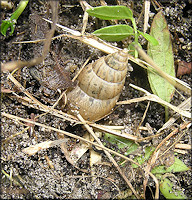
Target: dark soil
(33, 176)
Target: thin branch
(108, 155)
(155, 98)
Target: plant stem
(20, 9)
(136, 35)
(166, 113)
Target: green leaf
(162, 55)
(111, 12)
(5, 25)
(178, 166)
(114, 33)
(149, 38)
(122, 143)
(141, 159)
(167, 190)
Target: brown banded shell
(99, 86)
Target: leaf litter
(48, 108)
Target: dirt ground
(48, 174)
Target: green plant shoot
(118, 32)
(10, 23)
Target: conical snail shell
(99, 86)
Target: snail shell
(99, 86)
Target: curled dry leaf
(74, 152)
(183, 68)
(52, 78)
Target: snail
(99, 86)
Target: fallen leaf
(76, 152)
(166, 188)
(162, 55)
(183, 68)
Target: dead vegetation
(31, 136)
